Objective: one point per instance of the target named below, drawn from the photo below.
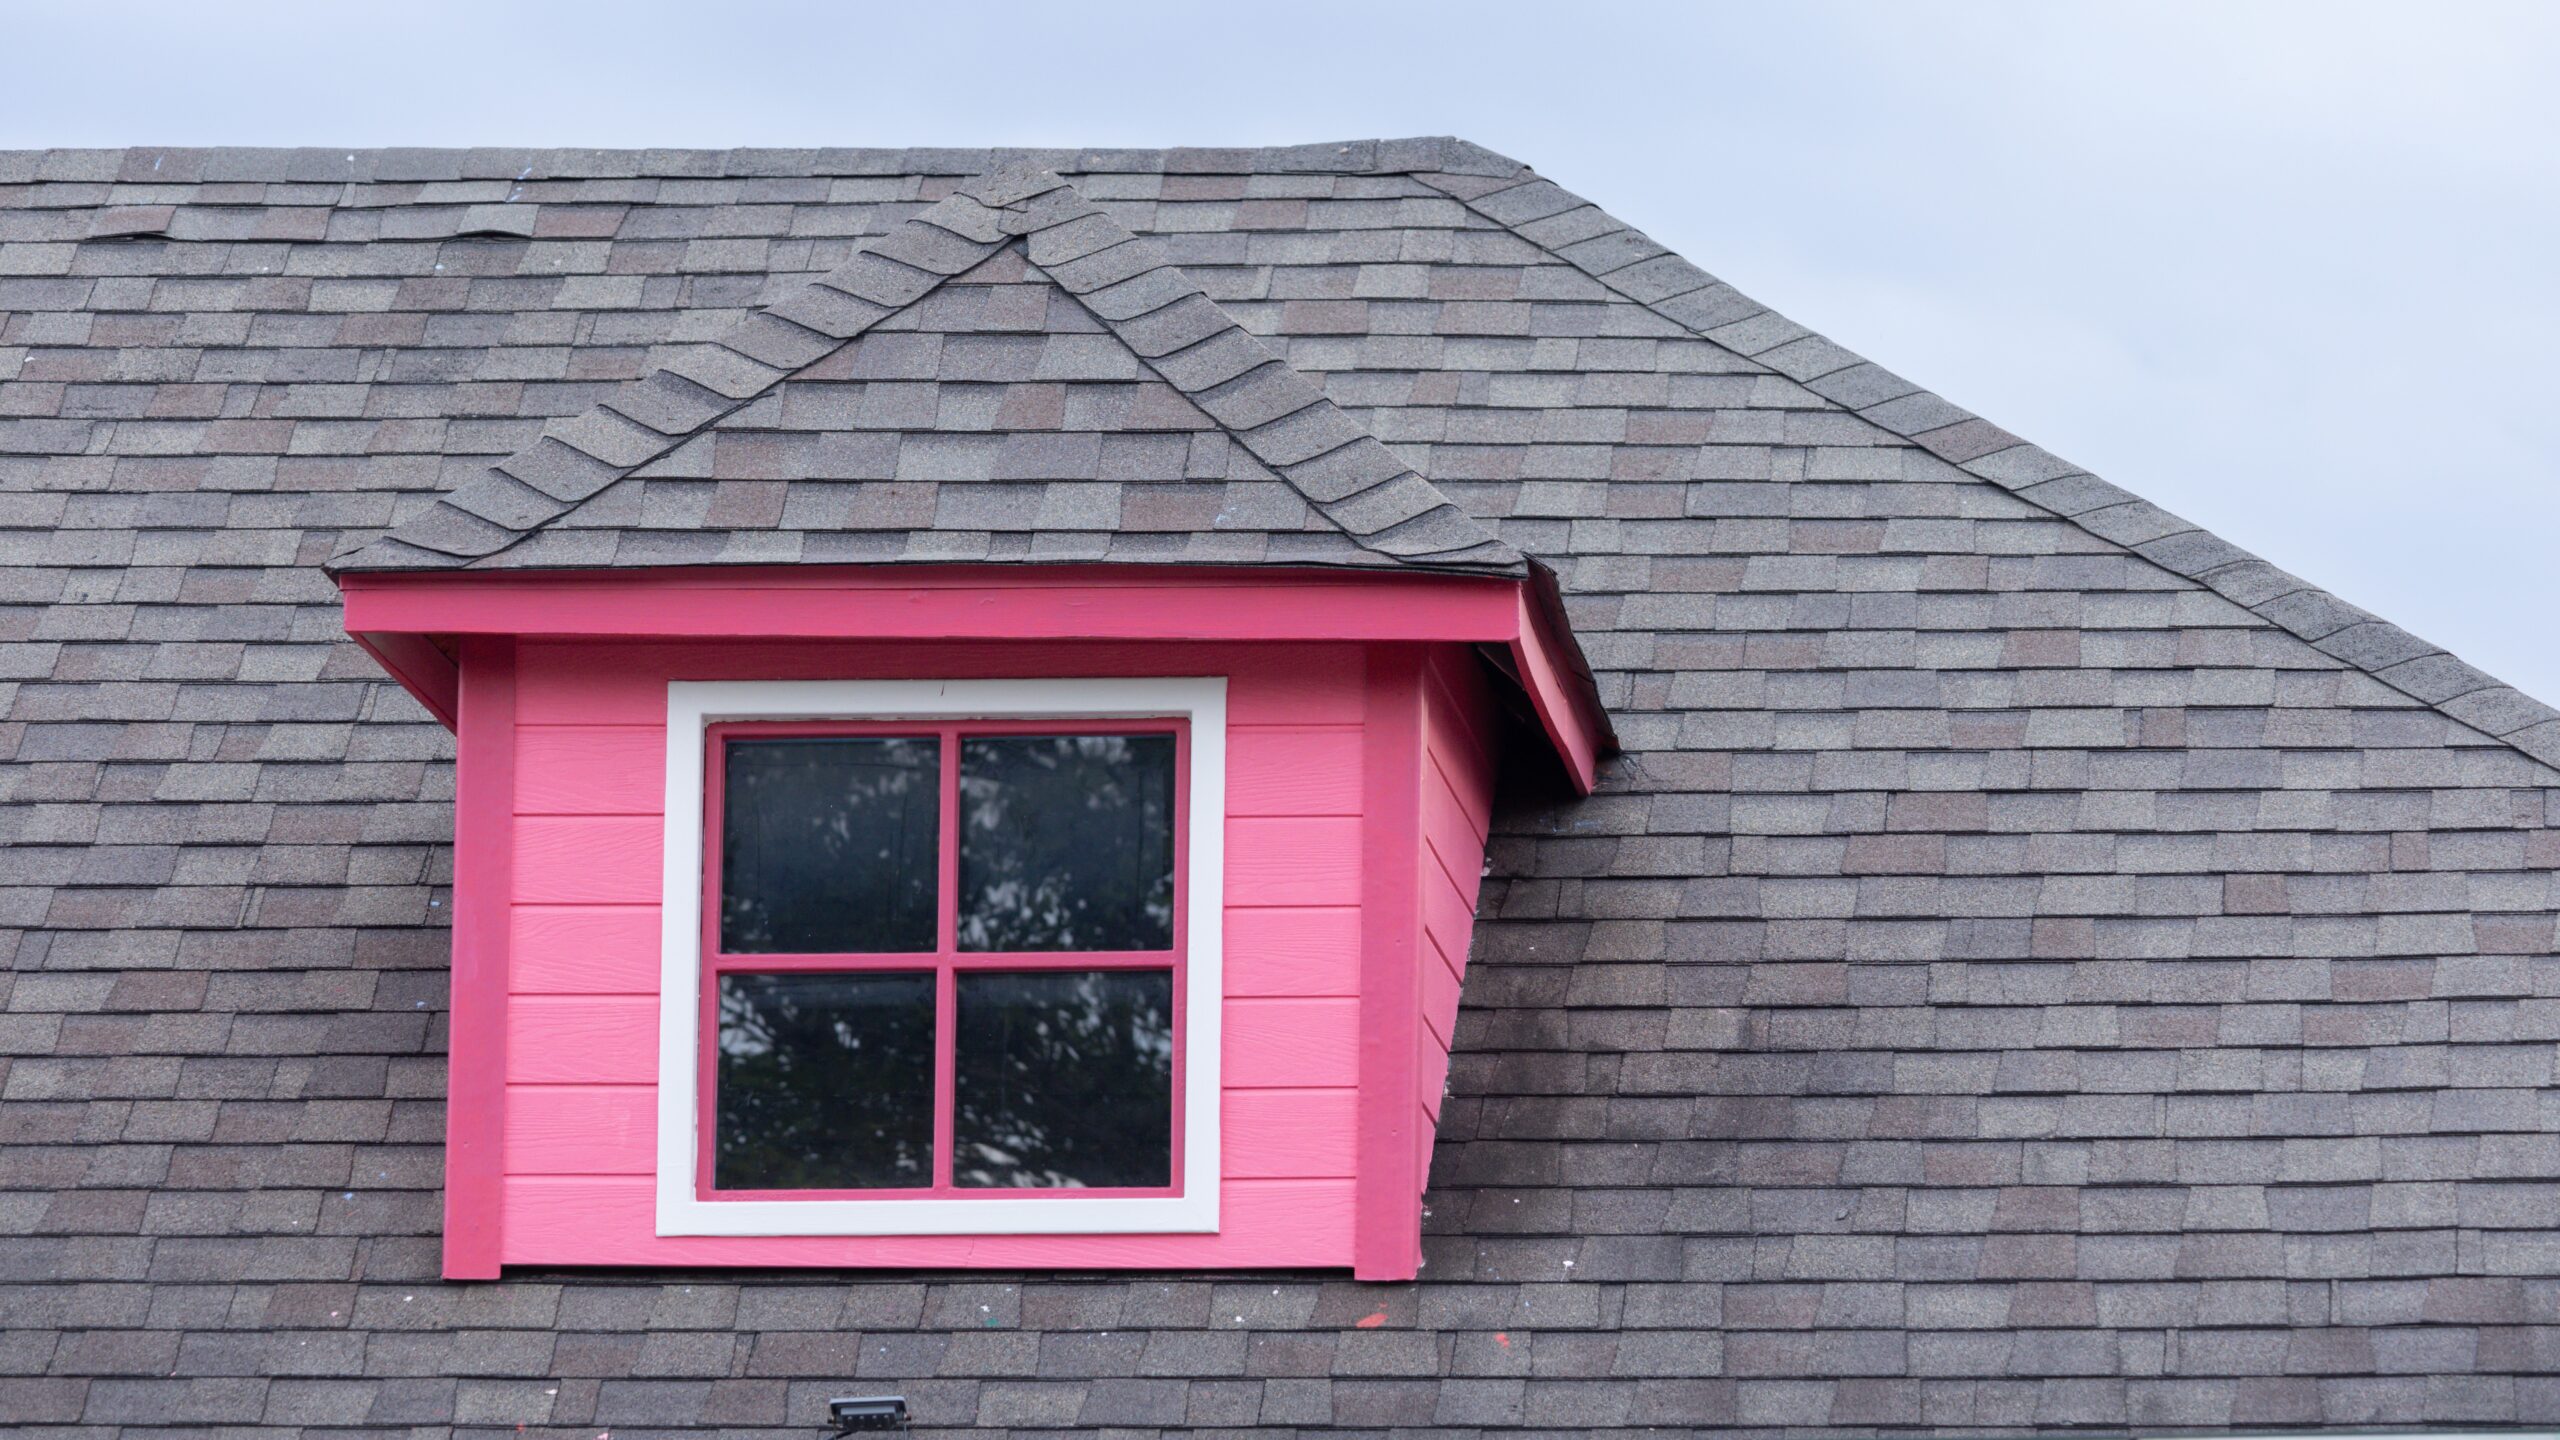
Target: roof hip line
(1632, 264)
(1276, 414)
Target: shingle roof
(2008, 982)
(1106, 409)
(1623, 261)
(1629, 263)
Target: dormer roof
(1008, 375)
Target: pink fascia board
(391, 615)
(940, 603)
(1560, 689)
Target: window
(945, 962)
(941, 960)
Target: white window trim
(693, 706)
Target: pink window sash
(945, 962)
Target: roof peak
(1278, 416)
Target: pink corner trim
(1386, 1239)
(484, 855)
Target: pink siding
(1457, 814)
(582, 1040)
(1287, 1134)
(587, 859)
(1298, 860)
(1305, 950)
(584, 949)
(1294, 770)
(581, 1130)
(1283, 1044)
(590, 770)
(607, 1220)
(581, 1043)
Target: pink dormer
(982, 766)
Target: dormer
(983, 766)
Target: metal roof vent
(849, 1414)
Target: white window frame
(693, 706)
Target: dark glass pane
(1065, 1079)
(826, 1082)
(1066, 842)
(827, 845)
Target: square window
(941, 959)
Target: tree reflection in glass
(826, 1081)
(1064, 1079)
(1066, 842)
(827, 845)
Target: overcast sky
(2290, 270)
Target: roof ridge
(309, 164)
(1281, 418)
(1631, 263)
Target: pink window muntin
(951, 964)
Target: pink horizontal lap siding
(1287, 1134)
(1283, 1044)
(590, 769)
(608, 1220)
(586, 859)
(582, 1040)
(581, 1129)
(1457, 816)
(1296, 951)
(584, 949)
(580, 1141)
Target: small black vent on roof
(852, 1413)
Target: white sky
(2290, 270)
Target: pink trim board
(998, 601)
